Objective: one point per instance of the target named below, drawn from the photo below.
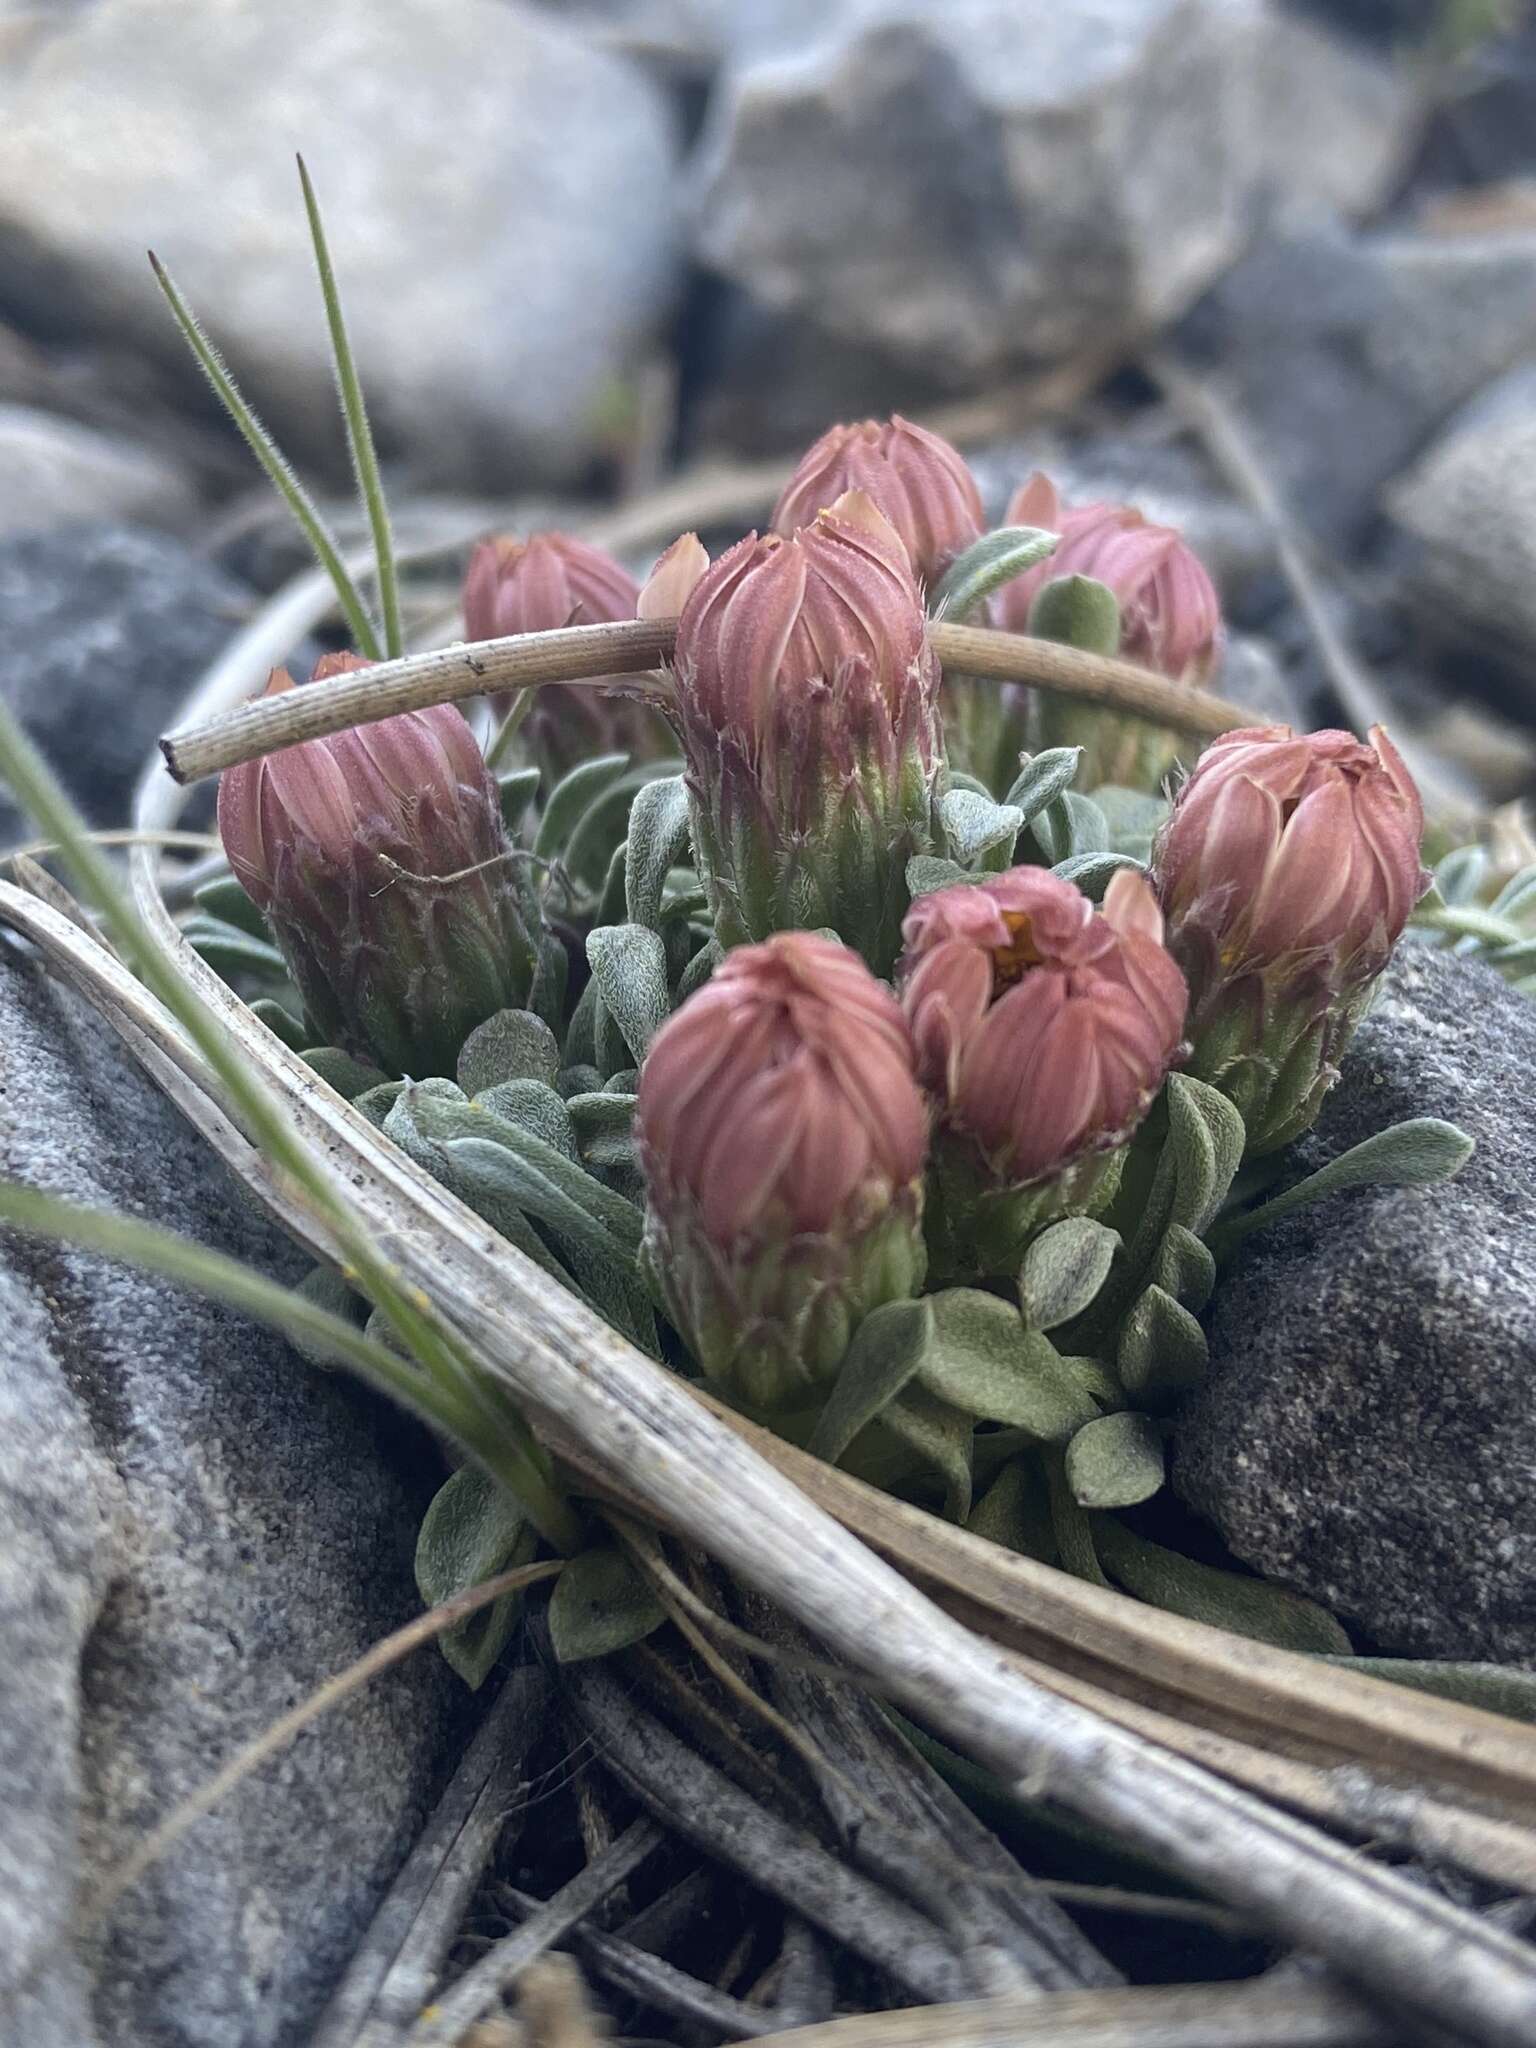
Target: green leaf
(600, 1605)
(230, 951)
(1042, 779)
(1206, 1135)
(376, 1103)
(699, 969)
(349, 1077)
(1133, 818)
(473, 1530)
(603, 825)
(1517, 896)
(975, 827)
(282, 1023)
(1162, 1350)
(571, 797)
(658, 842)
(1071, 1525)
(279, 470)
(1015, 1511)
(224, 900)
(1470, 921)
(1063, 1270)
(629, 965)
(534, 1107)
(886, 1351)
(518, 787)
(1200, 1592)
(1077, 611)
(1415, 1154)
(1185, 1267)
(365, 462)
(927, 872)
(514, 1045)
(1496, 1688)
(1115, 1461)
(986, 565)
(940, 1437)
(1460, 875)
(1093, 872)
(331, 1293)
(983, 1361)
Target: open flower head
(1043, 1028)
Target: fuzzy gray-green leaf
(981, 1359)
(514, 1045)
(1063, 1270)
(600, 1605)
(472, 1530)
(629, 965)
(658, 842)
(1115, 1461)
(886, 1351)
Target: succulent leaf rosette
(379, 858)
(1287, 870)
(806, 701)
(1044, 1029)
(782, 1135)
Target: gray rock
(55, 472)
(1342, 354)
(1332, 119)
(196, 1528)
(1368, 1429)
(1469, 505)
(499, 200)
(103, 630)
(1032, 179)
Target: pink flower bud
(783, 1136)
(1170, 616)
(545, 582)
(917, 479)
(537, 586)
(1043, 1028)
(379, 858)
(670, 584)
(1287, 870)
(806, 699)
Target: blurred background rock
(586, 242)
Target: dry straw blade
(574, 654)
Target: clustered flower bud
(916, 478)
(1287, 870)
(806, 703)
(538, 585)
(782, 1135)
(1170, 621)
(379, 858)
(1044, 1029)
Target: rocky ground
(582, 241)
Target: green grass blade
(365, 462)
(261, 444)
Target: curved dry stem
(592, 654)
